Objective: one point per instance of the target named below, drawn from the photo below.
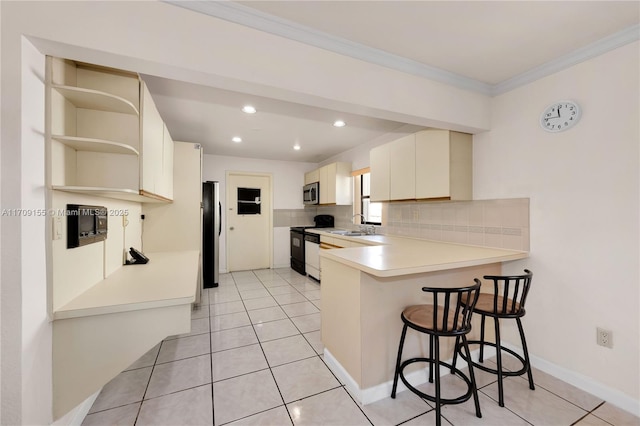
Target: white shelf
(95, 145)
(95, 99)
(117, 193)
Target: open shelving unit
(103, 131)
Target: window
(372, 212)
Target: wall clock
(560, 116)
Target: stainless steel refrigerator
(211, 228)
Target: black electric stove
(297, 240)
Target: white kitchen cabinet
(154, 169)
(312, 176)
(167, 164)
(445, 165)
(402, 168)
(336, 184)
(431, 164)
(379, 172)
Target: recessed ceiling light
(339, 123)
(296, 147)
(236, 139)
(249, 109)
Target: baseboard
(587, 384)
(383, 390)
(76, 416)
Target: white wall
(36, 329)
(287, 180)
(583, 185)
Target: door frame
(227, 191)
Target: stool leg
(431, 343)
(437, 362)
(395, 377)
(499, 361)
(526, 354)
(481, 358)
(472, 376)
(455, 355)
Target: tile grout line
(270, 370)
(153, 367)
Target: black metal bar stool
(447, 316)
(506, 302)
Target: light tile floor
(254, 357)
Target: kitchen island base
(361, 323)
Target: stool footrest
(482, 367)
(458, 400)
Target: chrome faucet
(363, 226)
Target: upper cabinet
(431, 164)
(156, 165)
(312, 176)
(95, 129)
(335, 183)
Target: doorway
(249, 221)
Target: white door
(248, 232)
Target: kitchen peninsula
(364, 290)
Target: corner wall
(583, 186)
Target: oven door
(312, 255)
(297, 251)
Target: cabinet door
(324, 185)
(152, 136)
(332, 170)
(432, 164)
(379, 169)
(344, 184)
(312, 176)
(167, 165)
(402, 168)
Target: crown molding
(253, 18)
(243, 15)
(626, 36)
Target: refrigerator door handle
(219, 218)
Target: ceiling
(478, 45)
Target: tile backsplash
(292, 217)
(298, 217)
(491, 223)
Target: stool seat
(506, 302)
(448, 316)
(422, 316)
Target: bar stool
(447, 316)
(507, 302)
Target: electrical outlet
(604, 337)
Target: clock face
(560, 116)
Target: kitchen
(569, 203)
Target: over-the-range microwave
(311, 193)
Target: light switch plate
(57, 228)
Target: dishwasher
(312, 255)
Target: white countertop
(170, 278)
(394, 256)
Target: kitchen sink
(347, 233)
